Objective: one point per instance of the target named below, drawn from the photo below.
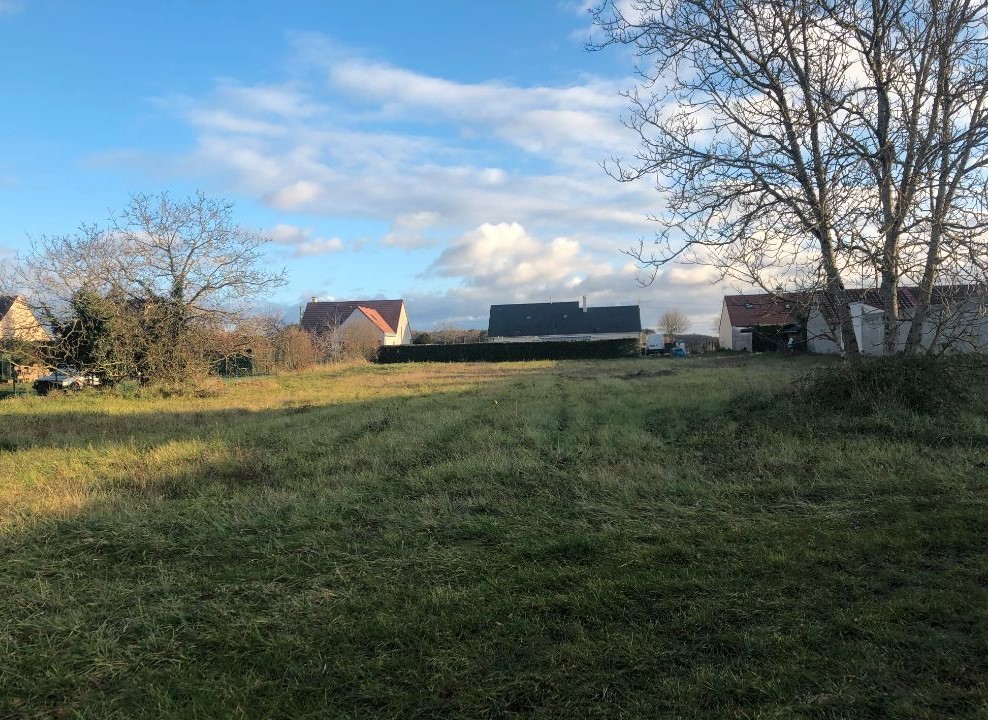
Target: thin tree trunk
(837, 297)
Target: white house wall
(966, 327)
(726, 337)
(963, 329)
(820, 337)
(741, 340)
(21, 324)
(403, 334)
(869, 328)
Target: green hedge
(507, 352)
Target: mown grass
(643, 538)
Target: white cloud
(225, 121)
(510, 172)
(479, 152)
(408, 230)
(296, 195)
(505, 256)
(563, 121)
(319, 246)
(303, 242)
(7, 283)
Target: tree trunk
(836, 295)
(889, 291)
(915, 339)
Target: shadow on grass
(455, 554)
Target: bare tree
(914, 118)
(732, 116)
(674, 322)
(954, 212)
(293, 348)
(815, 141)
(168, 275)
(335, 342)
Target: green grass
(642, 538)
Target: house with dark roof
(534, 322)
(386, 320)
(764, 321)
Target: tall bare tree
(954, 210)
(732, 117)
(814, 139)
(914, 116)
(168, 272)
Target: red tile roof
(319, 316)
(868, 296)
(375, 317)
(786, 308)
(766, 309)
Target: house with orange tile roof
(386, 320)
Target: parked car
(64, 378)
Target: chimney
(313, 298)
(584, 303)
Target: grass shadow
(529, 546)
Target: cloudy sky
(447, 152)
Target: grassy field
(640, 538)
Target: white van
(655, 343)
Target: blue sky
(445, 152)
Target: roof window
(749, 306)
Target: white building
(386, 320)
(764, 322)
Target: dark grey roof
(561, 318)
(6, 302)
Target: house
(385, 320)
(957, 319)
(534, 322)
(19, 333)
(17, 322)
(764, 322)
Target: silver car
(64, 378)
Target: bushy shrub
(293, 349)
(508, 352)
(923, 384)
